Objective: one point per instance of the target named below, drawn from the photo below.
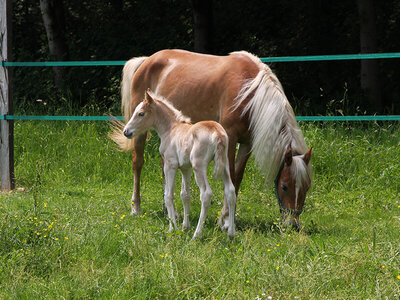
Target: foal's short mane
(272, 122)
(178, 114)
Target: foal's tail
(117, 126)
(221, 155)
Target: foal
(186, 146)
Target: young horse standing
(186, 146)
(245, 97)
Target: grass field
(69, 234)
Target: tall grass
(69, 234)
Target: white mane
(272, 123)
(178, 114)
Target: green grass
(70, 233)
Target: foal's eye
(285, 187)
(141, 114)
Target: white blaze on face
(138, 108)
(297, 194)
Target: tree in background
(54, 23)
(203, 26)
(369, 67)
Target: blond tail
(128, 71)
(117, 126)
(117, 135)
(221, 155)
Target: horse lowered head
(291, 186)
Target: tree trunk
(369, 67)
(203, 26)
(54, 23)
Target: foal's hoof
(135, 211)
(223, 224)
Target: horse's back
(208, 82)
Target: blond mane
(178, 114)
(272, 122)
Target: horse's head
(142, 118)
(291, 186)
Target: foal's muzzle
(128, 133)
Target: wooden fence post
(6, 97)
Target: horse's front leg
(137, 165)
(170, 173)
(240, 164)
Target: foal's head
(142, 118)
(291, 186)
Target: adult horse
(245, 97)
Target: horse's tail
(118, 136)
(117, 126)
(128, 71)
(221, 154)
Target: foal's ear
(288, 156)
(148, 96)
(307, 156)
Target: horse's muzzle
(289, 221)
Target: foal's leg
(170, 173)
(185, 196)
(165, 211)
(230, 196)
(224, 219)
(205, 197)
(137, 164)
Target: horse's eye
(141, 114)
(285, 187)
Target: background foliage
(119, 30)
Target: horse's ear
(307, 156)
(288, 156)
(148, 96)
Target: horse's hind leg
(185, 196)
(205, 197)
(230, 196)
(137, 165)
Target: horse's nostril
(127, 133)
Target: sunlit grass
(69, 234)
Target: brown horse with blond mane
(245, 97)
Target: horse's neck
(164, 121)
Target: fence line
(298, 118)
(263, 59)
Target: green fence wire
(298, 118)
(263, 59)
